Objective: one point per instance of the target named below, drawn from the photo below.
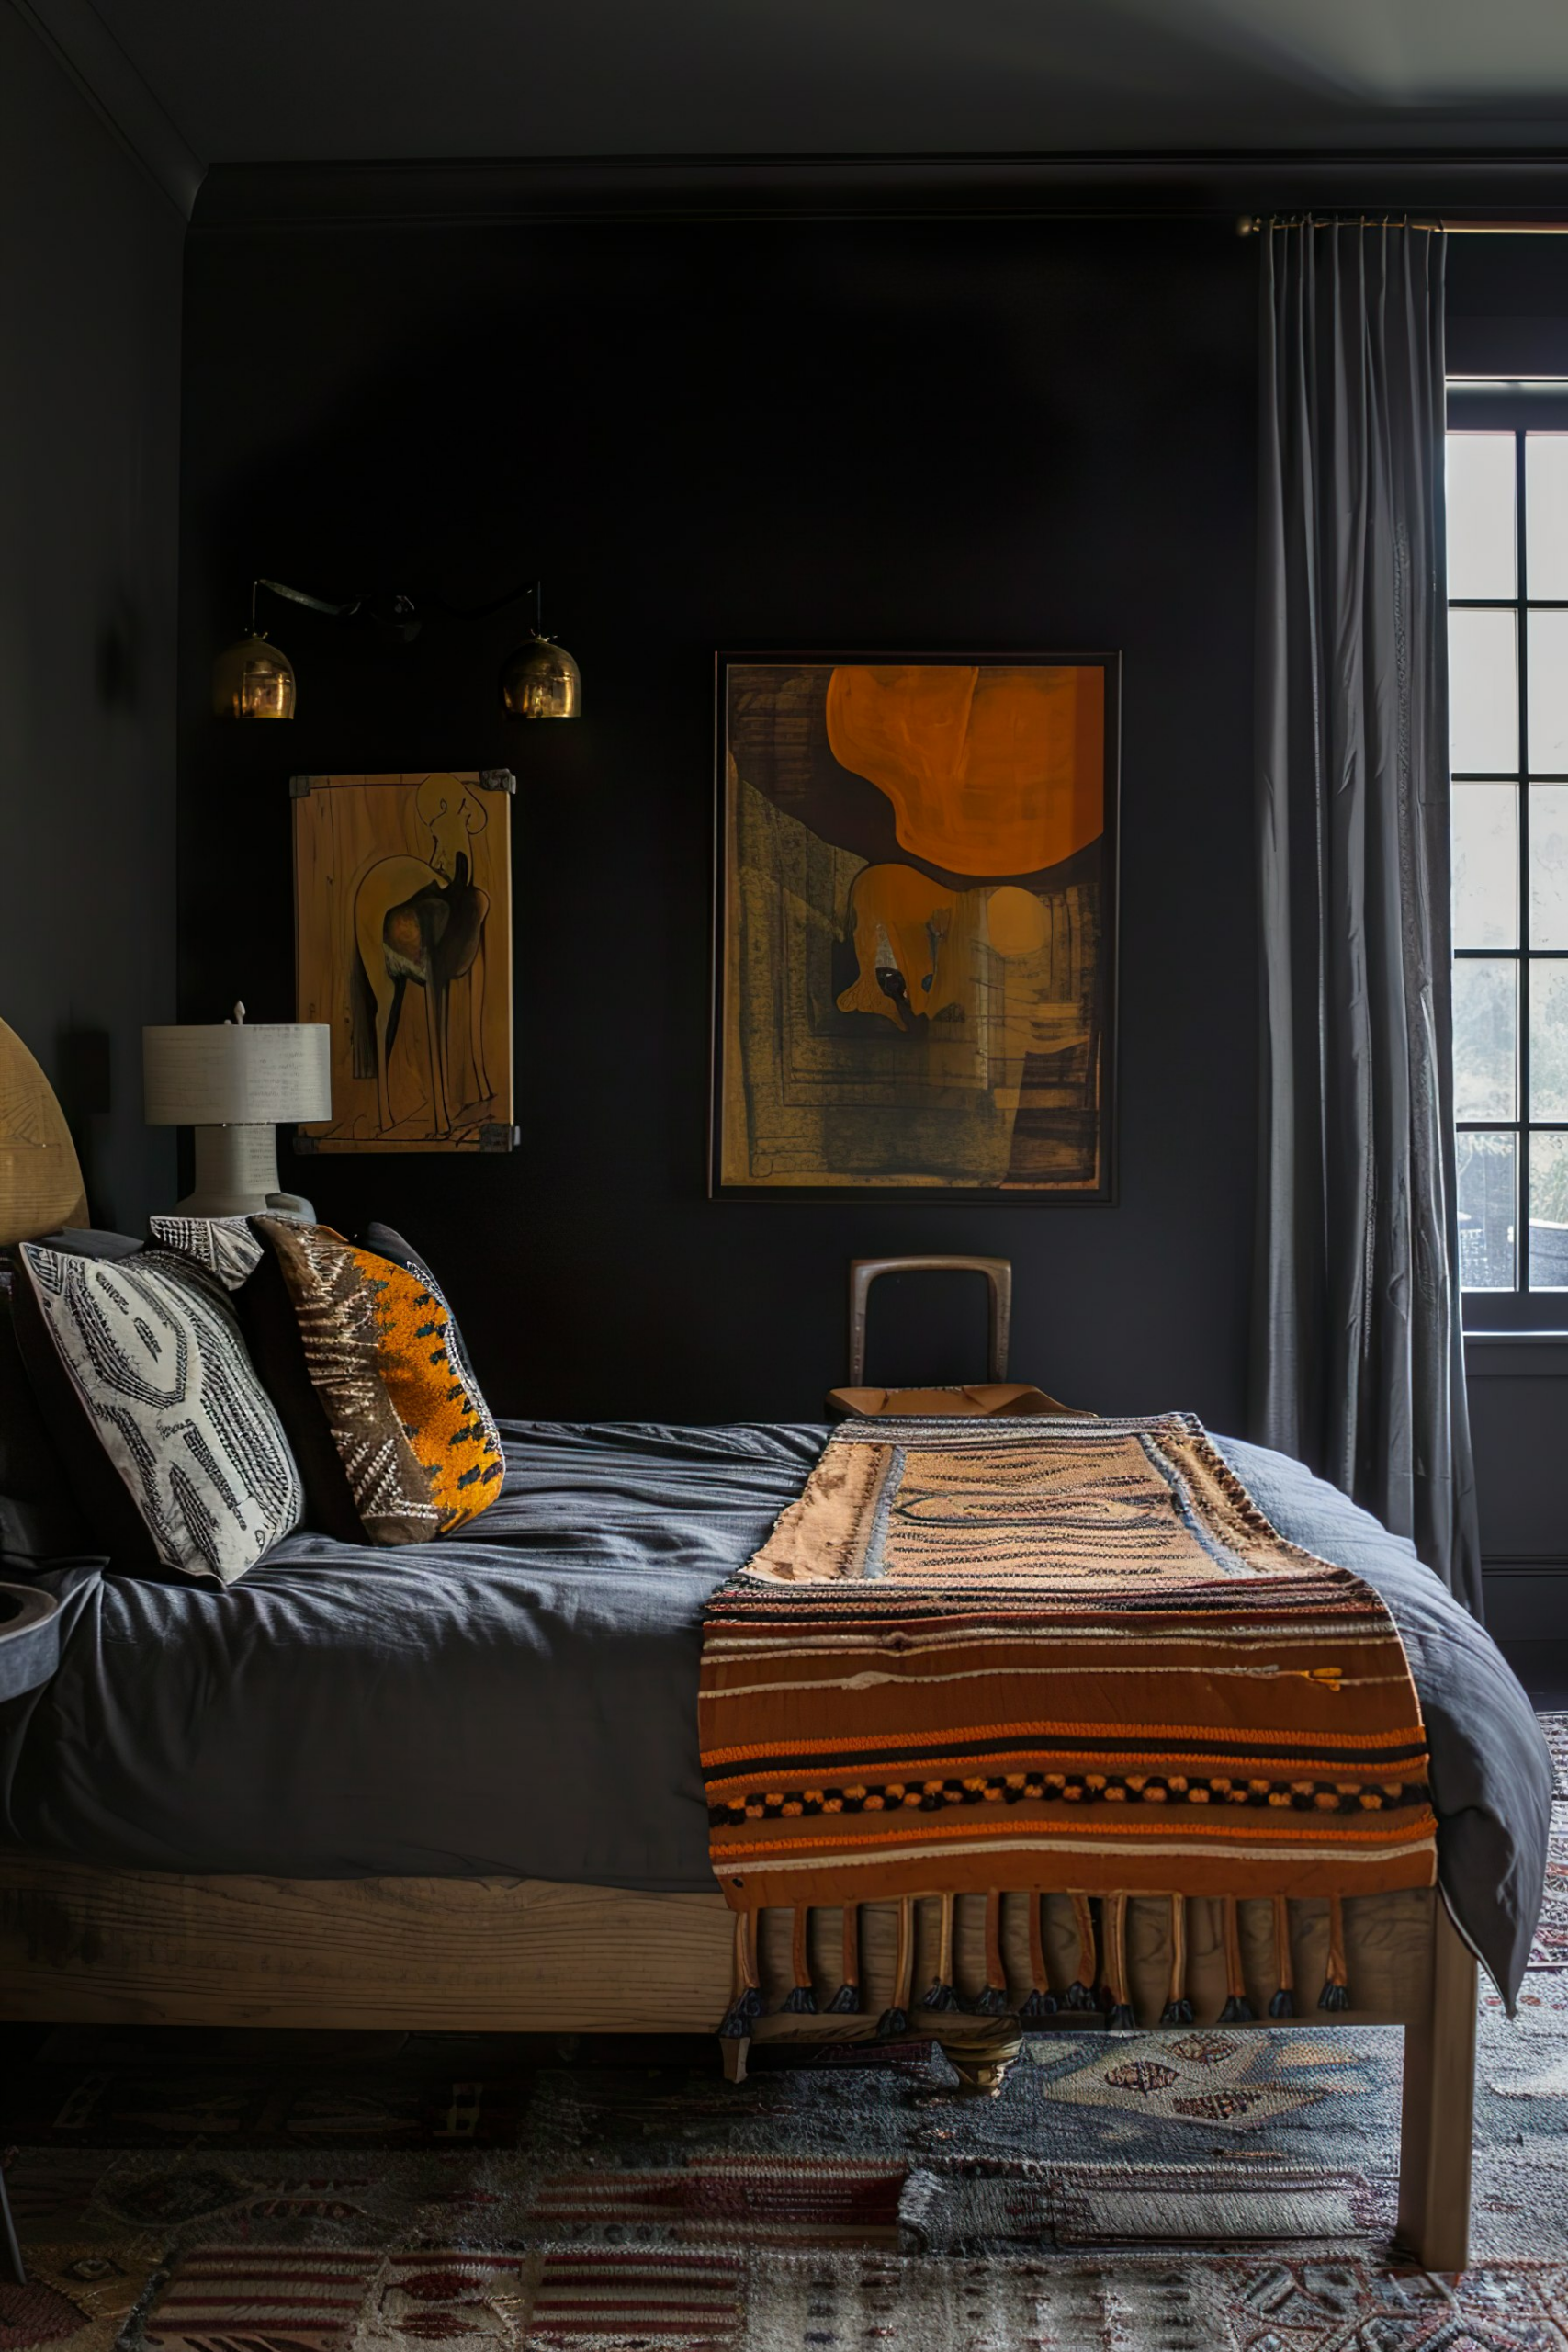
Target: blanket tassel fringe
(1079, 1994)
(895, 2020)
(1102, 1955)
(940, 1994)
(747, 2004)
(1178, 2010)
(845, 2002)
(1283, 2004)
(1335, 1993)
(1040, 2001)
(800, 2001)
(1117, 1999)
(1237, 2009)
(991, 2001)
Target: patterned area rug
(1556, 1729)
(1203, 2191)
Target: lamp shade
(234, 1073)
(540, 680)
(253, 679)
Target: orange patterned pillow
(395, 1441)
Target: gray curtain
(1358, 1362)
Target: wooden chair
(996, 1394)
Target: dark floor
(1542, 1667)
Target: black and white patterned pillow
(224, 1245)
(178, 1457)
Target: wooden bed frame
(99, 1946)
(95, 1945)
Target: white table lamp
(232, 1081)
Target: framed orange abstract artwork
(915, 949)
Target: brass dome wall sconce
(254, 678)
(540, 680)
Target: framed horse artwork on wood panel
(402, 927)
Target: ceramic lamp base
(236, 1175)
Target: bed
(459, 1784)
(456, 1784)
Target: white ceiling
(345, 80)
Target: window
(1507, 551)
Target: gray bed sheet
(521, 1700)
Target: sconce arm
(400, 617)
(495, 604)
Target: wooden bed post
(1439, 2115)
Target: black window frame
(1519, 407)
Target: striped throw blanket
(1055, 1657)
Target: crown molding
(1507, 185)
(83, 48)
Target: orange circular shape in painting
(1015, 922)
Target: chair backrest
(998, 1272)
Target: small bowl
(29, 1638)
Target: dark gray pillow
(387, 1242)
(89, 1241)
(39, 1517)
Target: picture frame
(403, 931)
(915, 921)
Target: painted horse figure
(424, 922)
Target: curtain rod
(1254, 223)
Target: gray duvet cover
(521, 1700)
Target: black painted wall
(90, 259)
(1004, 435)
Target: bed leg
(13, 2252)
(736, 2049)
(1437, 2120)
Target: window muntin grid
(1509, 682)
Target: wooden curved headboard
(40, 1177)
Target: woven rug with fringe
(1061, 1658)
